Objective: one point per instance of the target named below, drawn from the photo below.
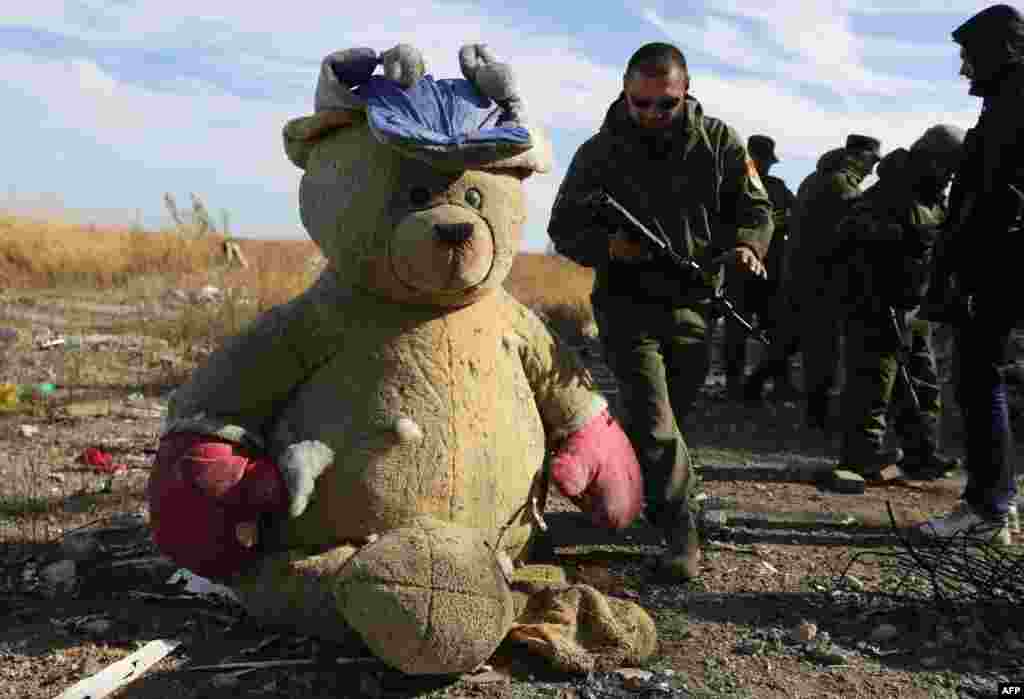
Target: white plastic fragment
(118, 674)
(201, 586)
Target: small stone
(847, 482)
(28, 431)
(804, 632)
(633, 678)
(884, 633)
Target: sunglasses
(662, 104)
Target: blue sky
(110, 103)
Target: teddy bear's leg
(296, 591)
(428, 598)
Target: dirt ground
(734, 633)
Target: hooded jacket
(699, 186)
(985, 211)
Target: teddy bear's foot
(580, 630)
(429, 598)
(295, 591)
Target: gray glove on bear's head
(493, 78)
(343, 70)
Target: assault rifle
(903, 358)
(659, 244)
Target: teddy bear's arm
(237, 392)
(562, 387)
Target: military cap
(858, 142)
(762, 147)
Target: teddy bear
(369, 460)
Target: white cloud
(782, 48)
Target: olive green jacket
(883, 255)
(700, 187)
(822, 200)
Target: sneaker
(967, 521)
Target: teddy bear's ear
(301, 134)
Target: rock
(884, 633)
(848, 482)
(61, 574)
(804, 632)
(634, 679)
(28, 431)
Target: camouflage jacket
(885, 244)
(700, 187)
(822, 200)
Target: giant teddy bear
(367, 460)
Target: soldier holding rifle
(687, 175)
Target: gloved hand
(206, 496)
(597, 469)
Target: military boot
(681, 560)
(870, 461)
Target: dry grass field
(114, 320)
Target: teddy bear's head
(413, 188)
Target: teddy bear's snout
(453, 233)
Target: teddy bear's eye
(419, 196)
(474, 198)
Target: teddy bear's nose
(453, 233)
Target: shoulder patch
(755, 179)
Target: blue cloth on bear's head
(441, 119)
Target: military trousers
(660, 357)
(874, 394)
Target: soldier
(688, 174)
(981, 265)
(761, 297)
(886, 244)
(823, 199)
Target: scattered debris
(101, 461)
(804, 632)
(198, 585)
(122, 672)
